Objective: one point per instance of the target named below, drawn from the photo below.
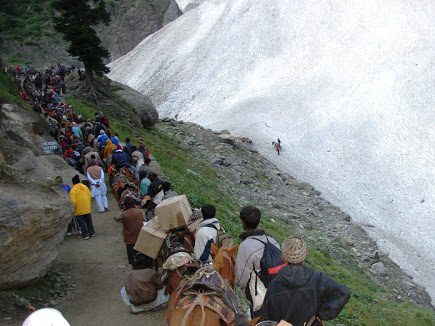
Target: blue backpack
(271, 262)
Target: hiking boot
(93, 235)
(85, 238)
(68, 234)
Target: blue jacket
(120, 159)
(101, 139)
(115, 140)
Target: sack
(257, 291)
(271, 262)
(142, 285)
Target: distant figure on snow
(277, 145)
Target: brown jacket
(132, 220)
(142, 285)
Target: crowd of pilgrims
(90, 145)
(295, 294)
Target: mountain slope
(29, 38)
(348, 86)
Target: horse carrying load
(197, 293)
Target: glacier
(348, 86)
(186, 5)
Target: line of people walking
(277, 282)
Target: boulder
(379, 269)
(145, 110)
(32, 224)
(34, 211)
(227, 138)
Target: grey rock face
(143, 106)
(34, 212)
(132, 21)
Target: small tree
(75, 23)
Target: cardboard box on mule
(173, 212)
(150, 239)
(193, 226)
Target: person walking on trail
(138, 161)
(80, 196)
(300, 294)
(255, 244)
(77, 130)
(206, 234)
(95, 176)
(143, 149)
(101, 139)
(128, 147)
(88, 158)
(120, 158)
(132, 219)
(115, 139)
(277, 146)
(144, 183)
(252, 246)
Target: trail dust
(99, 268)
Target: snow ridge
(348, 86)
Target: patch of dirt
(98, 267)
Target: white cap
(46, 317)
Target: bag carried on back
(271, 262)
(223, 239)
(257, 291)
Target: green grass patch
(200, 183)
(9, 92)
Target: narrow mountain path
(99, 268)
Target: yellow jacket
(80, 196)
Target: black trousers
(86, 226)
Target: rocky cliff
(132, 21)
(34, 211)
(29, 38)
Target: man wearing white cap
(299, 294)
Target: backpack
(221, 238)
(271, 262)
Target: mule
(207, 299)
(225, 262)
(120, 181)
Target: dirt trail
(98, 268)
